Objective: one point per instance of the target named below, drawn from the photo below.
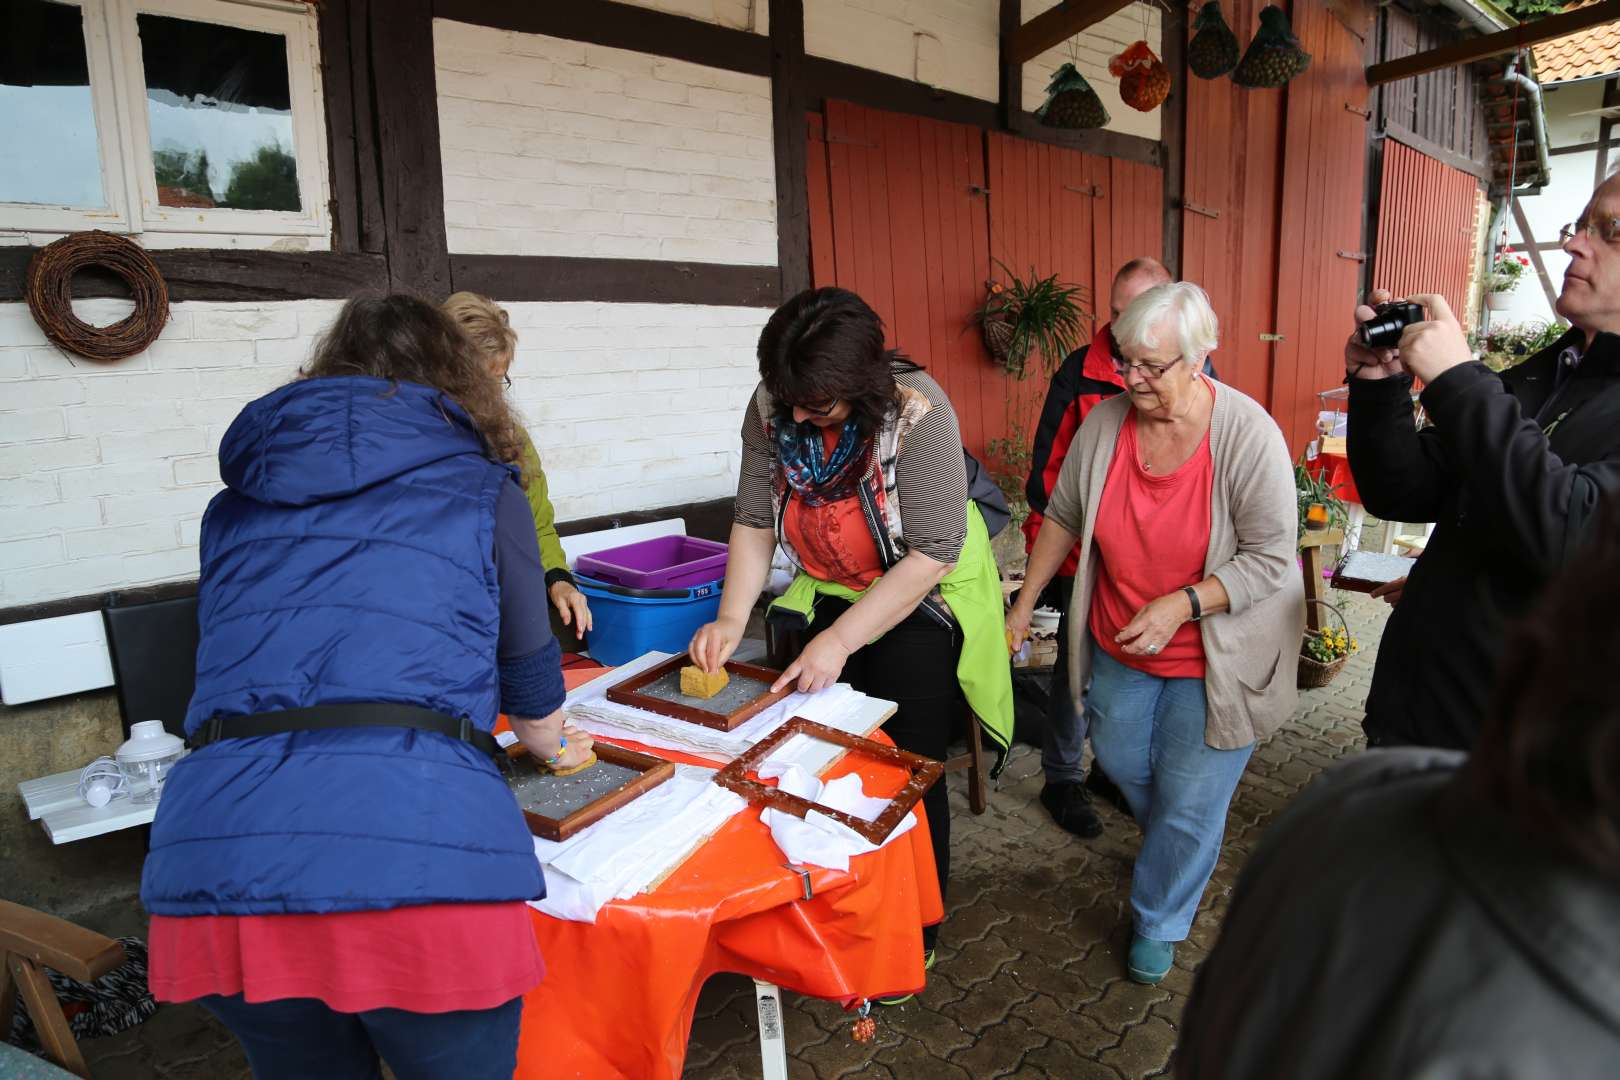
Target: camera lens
(1382, 331)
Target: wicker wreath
(49, 292)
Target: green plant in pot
(1320, 507)
(1037, 316)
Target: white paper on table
(816, 839)
(620, 855)
(837, 707)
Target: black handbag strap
(356, 714)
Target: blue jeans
(305, 1039)
(1064, 744)
(1148, 734)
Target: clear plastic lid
(149, 742)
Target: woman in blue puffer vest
(339, 872)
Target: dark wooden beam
(1532, 248)
(621, 26)
(79, 605)
(367, 159)
(1173, 133)
(651, 281)
(1478, 170)
(1012, 71)
(337, 85)
(1058, 25)
(225, 274)
(1578, 148)
(788, 104)
(1096, 141)
(830, 79)
(1505, 41)
(412, 172)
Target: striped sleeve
(753, 506)
(931, 476)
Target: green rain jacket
(545, 518)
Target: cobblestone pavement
(1030, 979)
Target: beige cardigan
(1250, 650)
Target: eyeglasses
(822, 413)
(1147, 371)
(1605, 229)
(507, 379)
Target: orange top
(1152, 535)
(833, 541)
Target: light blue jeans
(1148, 735)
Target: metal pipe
(1476, 16)
(1538, 120)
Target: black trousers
(914, 666)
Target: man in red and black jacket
(1086, 377)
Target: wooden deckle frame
(654, 771)
(629, 693)
(925, 772)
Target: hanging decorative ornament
(1071, 102)
(1213, 50)
(1274, 56)
(1144, 81)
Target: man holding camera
(1512, 470)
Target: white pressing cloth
(816, 839)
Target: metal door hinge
(1354, 256)
(1365, 114)
(976, 189)
(844, 140)
(1272, 337)
(1194, 208)
(1084, 189)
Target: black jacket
(1392, 926)
(1512, 472)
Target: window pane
(221, 115)
(50, 127)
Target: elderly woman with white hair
(1181, 494)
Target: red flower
(1524, 261)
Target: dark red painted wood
(1426, 237)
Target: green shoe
(1150, 960)
(901, 999)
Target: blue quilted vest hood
(350, 559)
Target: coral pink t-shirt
(1152, 534)
(431, 958)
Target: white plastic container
(146, 758)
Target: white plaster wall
(105, 470)
(555, 147)
(753, 15)
(1090, 53)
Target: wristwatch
(1192, 597)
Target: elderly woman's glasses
(1147, 371)
(1605, 229)
(507, 379)
(823, 412)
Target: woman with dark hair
(338, 871)
(1417, 912)
(852, 461)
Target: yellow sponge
(695, 682)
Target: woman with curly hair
(338, 871)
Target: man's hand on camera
(1361, 362)
(1430, 349)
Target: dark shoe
(1098, 784)
(1150, 960)
(901, 999)
(1070, 806)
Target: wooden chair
(31, 941)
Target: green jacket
(972, 590)
(545, 518)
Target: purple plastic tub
(665, 562)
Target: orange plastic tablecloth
(619, 994)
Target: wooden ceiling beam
(1481, 48)
(1059, 25)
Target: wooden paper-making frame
(925, 772)
(654, 771)
(629, 693)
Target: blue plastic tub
(626, 622)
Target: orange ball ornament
(1144, 81)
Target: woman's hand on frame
(818, 666)
(714, 643)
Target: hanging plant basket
(999, 330)
(1071, 102)
(1213, 50)
(1314, 673)
(1498, 301)
(1034, 317)
(1144, 81)
(1274, 56)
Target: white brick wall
(952, 44)
(105, 470)
(1094, 48)
(555, 147)
(736, 14)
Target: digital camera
(1383, 330)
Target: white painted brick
(121, 478)
(190, 531)
(287, 353)
(143, 416)
(40, 551)
(27, 492)
(22, 459)
(189, 354)
(202, 469)
(49, 362)
(44, 520)
(204, 415)
(146, 386)
(161, 565)
(124, 540)
(650, 180)
(44, 393)
(152, 445)
(253, 323)
(241, 385)
(13, 364)
(157, 506)
(68, 579)
(31, 425)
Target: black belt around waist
(369, 714)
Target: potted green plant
(1509, 344)
(1038, 316)
(1320, 507)
(1503, 278)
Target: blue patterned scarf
(810, 473)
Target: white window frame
(118, 93)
